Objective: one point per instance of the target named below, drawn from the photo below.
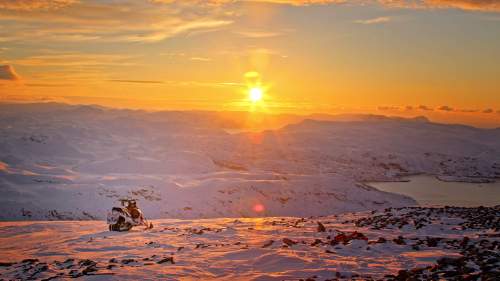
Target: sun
(255, 94)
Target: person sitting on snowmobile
(134, 212)
(124, 218)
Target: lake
(429, 191)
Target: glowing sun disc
(255, 94)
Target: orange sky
(438, 58)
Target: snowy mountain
(74, 162)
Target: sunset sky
(439, 58)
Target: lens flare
(259, 208)
(255, 94)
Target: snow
(62, 162)
(226, 249)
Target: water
(428, 190)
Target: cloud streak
(468, 5)
(136, 81)
(378, 20)
(74, 59)
(445, 108)
(472, 5)
(157, 20)
(101, 21)
(28, 5)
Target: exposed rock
(321, 227)
(168, 259)
(289, 242)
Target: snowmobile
(127, 216)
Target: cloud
(467, 5)
(187, 83)
(157, 20)
(388, 108)
(7, 72)
(488, 110)
(202, 59)
(473, 5)
(137, 81)
(172, 31)
(468, 110)
(101, 21)
(470, 5)
(74, 59)
(299, 2)
(445, 108)
(374, 20)
(284, 2)
(424, 107)
(258, 34)
(47, 85)
(27, 5)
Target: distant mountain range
(62, 161)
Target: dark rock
(111, 266)
(317, 242)
(289, 242)
(75, 273)
(127, 261)
(400, 240)
(169, 259)
(89, 269)
(432, 242)
(87, 262)
(269, 243)
(321, 227)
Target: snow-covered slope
(73, 162)
(394, 244)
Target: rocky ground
(416, 243)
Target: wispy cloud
(378, 20)
(468, 110)
(136, 81)
(187, 83)
(468, 5)
(157, 20)
(446, 108)
(425, 108)
(130, 21)
(258, 34)
(202, 59)
(45, 85)
(27, 5)
(443, 108)
(388, 108)
(74, 59)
